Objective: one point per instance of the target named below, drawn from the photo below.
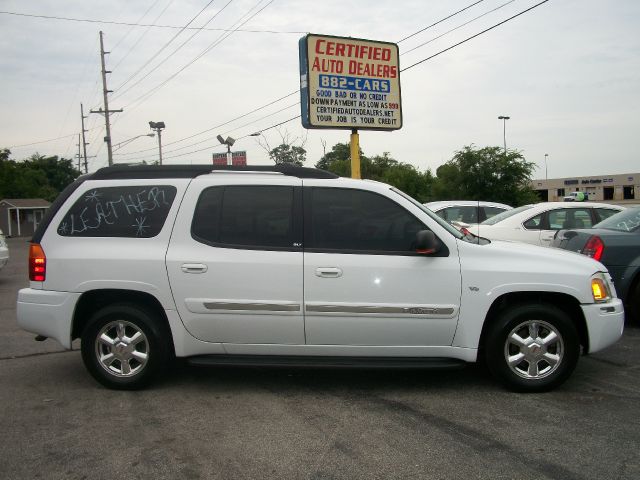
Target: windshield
(446, 225)
(625, 221)
(506, 214)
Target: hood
(517, 256)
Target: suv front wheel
(532, 347)
(123, 347)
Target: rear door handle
(329, 272)
(193, 268)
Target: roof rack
(192, 171)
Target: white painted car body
(538, 223)
(255, 302)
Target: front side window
(245, 216)
(358, 220)
(128, 211)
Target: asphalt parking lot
(224, 423)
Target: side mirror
(426, 242)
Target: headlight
(600, 288)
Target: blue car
(615, 242)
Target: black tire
(632, 307)
(546, 359)
(134, 348)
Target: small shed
(19, 217)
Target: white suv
(289, 265)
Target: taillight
(37, 263)
(594, 247)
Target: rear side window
(131, 211)
(604, 213)
(251, 216)
(357, 220)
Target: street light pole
(157, 127)
(504, 130)
(118, 145)
(546, 176)
(228, 142)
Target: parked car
(537, 223)
(4, 251)
(286, 265)
(462, 213)
(615, 242)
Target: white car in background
(462, 213)
(538, 223)
(4, 251)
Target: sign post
(349, 83)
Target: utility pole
(78, 155)
(84, 142)
(106, 110)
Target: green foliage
(382, 168)
(487, 174)
(340, 151)
(36, 177)
(285, 153)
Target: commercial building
(622, 189)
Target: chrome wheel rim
(534, 349)
(122, 349)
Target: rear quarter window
(132, 211)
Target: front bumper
(605, 323)
(47, 313)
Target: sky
(567, 73)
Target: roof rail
(191, 171)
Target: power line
(174, 51)
(216, 42)
(239, 138)
(440, 21)
(219, 125)
(175, 27)
(474, 36)
(153, 57)
(208, 139)
(137, 42)
(457, 28)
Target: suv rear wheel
(532, 347)
(123, 347)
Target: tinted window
(570, 218)
(506, 214)
(625, 221)
(253, 216)
(604, 213)
(138, 211)
(533, 223)
(466, 214)
(344, 219)
(492, 211)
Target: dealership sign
(237, 158)
(349, 83)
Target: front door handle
(193, 268)
(329, 272)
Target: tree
(35, 177)
(287, 151)
(489, 174)
(340, 151)
(382, 168)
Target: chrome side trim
(386, 310)
(271, 307)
